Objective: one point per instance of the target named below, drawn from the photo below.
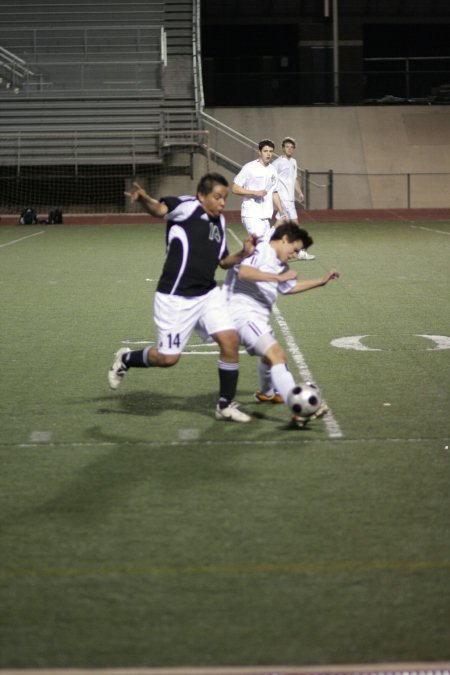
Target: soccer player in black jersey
(187, 296)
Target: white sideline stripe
(15, 241)
(231, 443)
(415, 668)
(428, 229)
(432, 668)
(331, 424)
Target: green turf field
(138, 531)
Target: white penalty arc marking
(331, 424)
(16, 241)
(354, 342)
(441, 341)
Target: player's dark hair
(288, 139)
(266, 141)
(293, 233)
(207, 182)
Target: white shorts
(257, 226)
(176, 317)
(255, 334)
(289, 210)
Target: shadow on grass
(149, 404)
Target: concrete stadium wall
(360, 140)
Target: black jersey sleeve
(170, 202)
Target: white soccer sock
(265, 379)
(282, 379)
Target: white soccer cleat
(304, 255)
(300, 422)
(118, 369)
(320, 412)
(231, 413)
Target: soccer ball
(304, 399)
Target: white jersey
(287, 175)
(249, 298)
(256, 176)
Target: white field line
(429, 229)
(416, 668)
(441, 444)
(16, 241)
(331, 424)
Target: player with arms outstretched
(251, 289)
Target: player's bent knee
(275, 354)
(168, 360)
(228, 342)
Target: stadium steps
(32, 115)
(178, 25)
(110, 101)
(95, 13)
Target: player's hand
(332, 274)
(250, 244)
(289, 275)
(137, 194)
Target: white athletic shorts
(176, 317)
(289, 210)
(258, 226)
(255, 334)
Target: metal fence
(335, 190)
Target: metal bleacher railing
(14, 71)
(333, 189)
(97, 94)
(81, 60)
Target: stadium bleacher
(119, 69)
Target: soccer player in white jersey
(289, 189)
(251, 289)
(187, 297)
(257, 183)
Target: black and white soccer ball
(304, 399)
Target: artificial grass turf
(136, 530)
(145, 557)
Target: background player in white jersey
(251, 290)
(187, 297)
(257, 183)
(289, 189)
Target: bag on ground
(55, 216)
(28, 216)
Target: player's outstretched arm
(151, 205)
(249, 273)
(309, 284)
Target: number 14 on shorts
(171, 340)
